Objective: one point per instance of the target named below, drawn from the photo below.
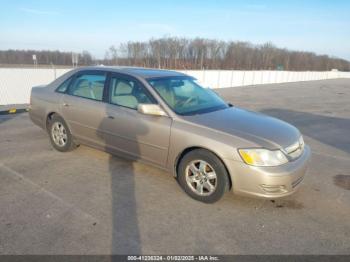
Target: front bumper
(268, 182)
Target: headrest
(123, 88)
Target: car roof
(135, 71)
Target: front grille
(296, 153)
(295, 150)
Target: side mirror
(151, 109)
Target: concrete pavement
(89, 202)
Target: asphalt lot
(89, 202)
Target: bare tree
(185, 53)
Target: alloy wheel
(201, 177)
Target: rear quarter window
(62, 88)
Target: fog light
(273, 189)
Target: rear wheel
(203, 176)
(60, 136)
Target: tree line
(43, 57)
(185, 53)
(200, 53)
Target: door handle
(65, 104)
(110, 117)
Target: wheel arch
(48, 118)
(192, 148)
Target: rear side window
(88, 86)
(64, 86)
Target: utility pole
(75, 58)
(54, 70)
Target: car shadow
(125, 227)
(330, 130)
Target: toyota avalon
(169, 120)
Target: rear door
(82, 106)
(128, 131)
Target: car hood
(260, 129)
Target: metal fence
(16, 83)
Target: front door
(128, 131)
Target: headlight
(263, 157)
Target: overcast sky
(320, 26)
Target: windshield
(185, 96)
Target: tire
(60, 135)
(195, 176)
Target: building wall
(16, 83)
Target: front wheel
(60, 136)
(203, 176)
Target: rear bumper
(268, 182)
(36, 119)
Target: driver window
(128, 93)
